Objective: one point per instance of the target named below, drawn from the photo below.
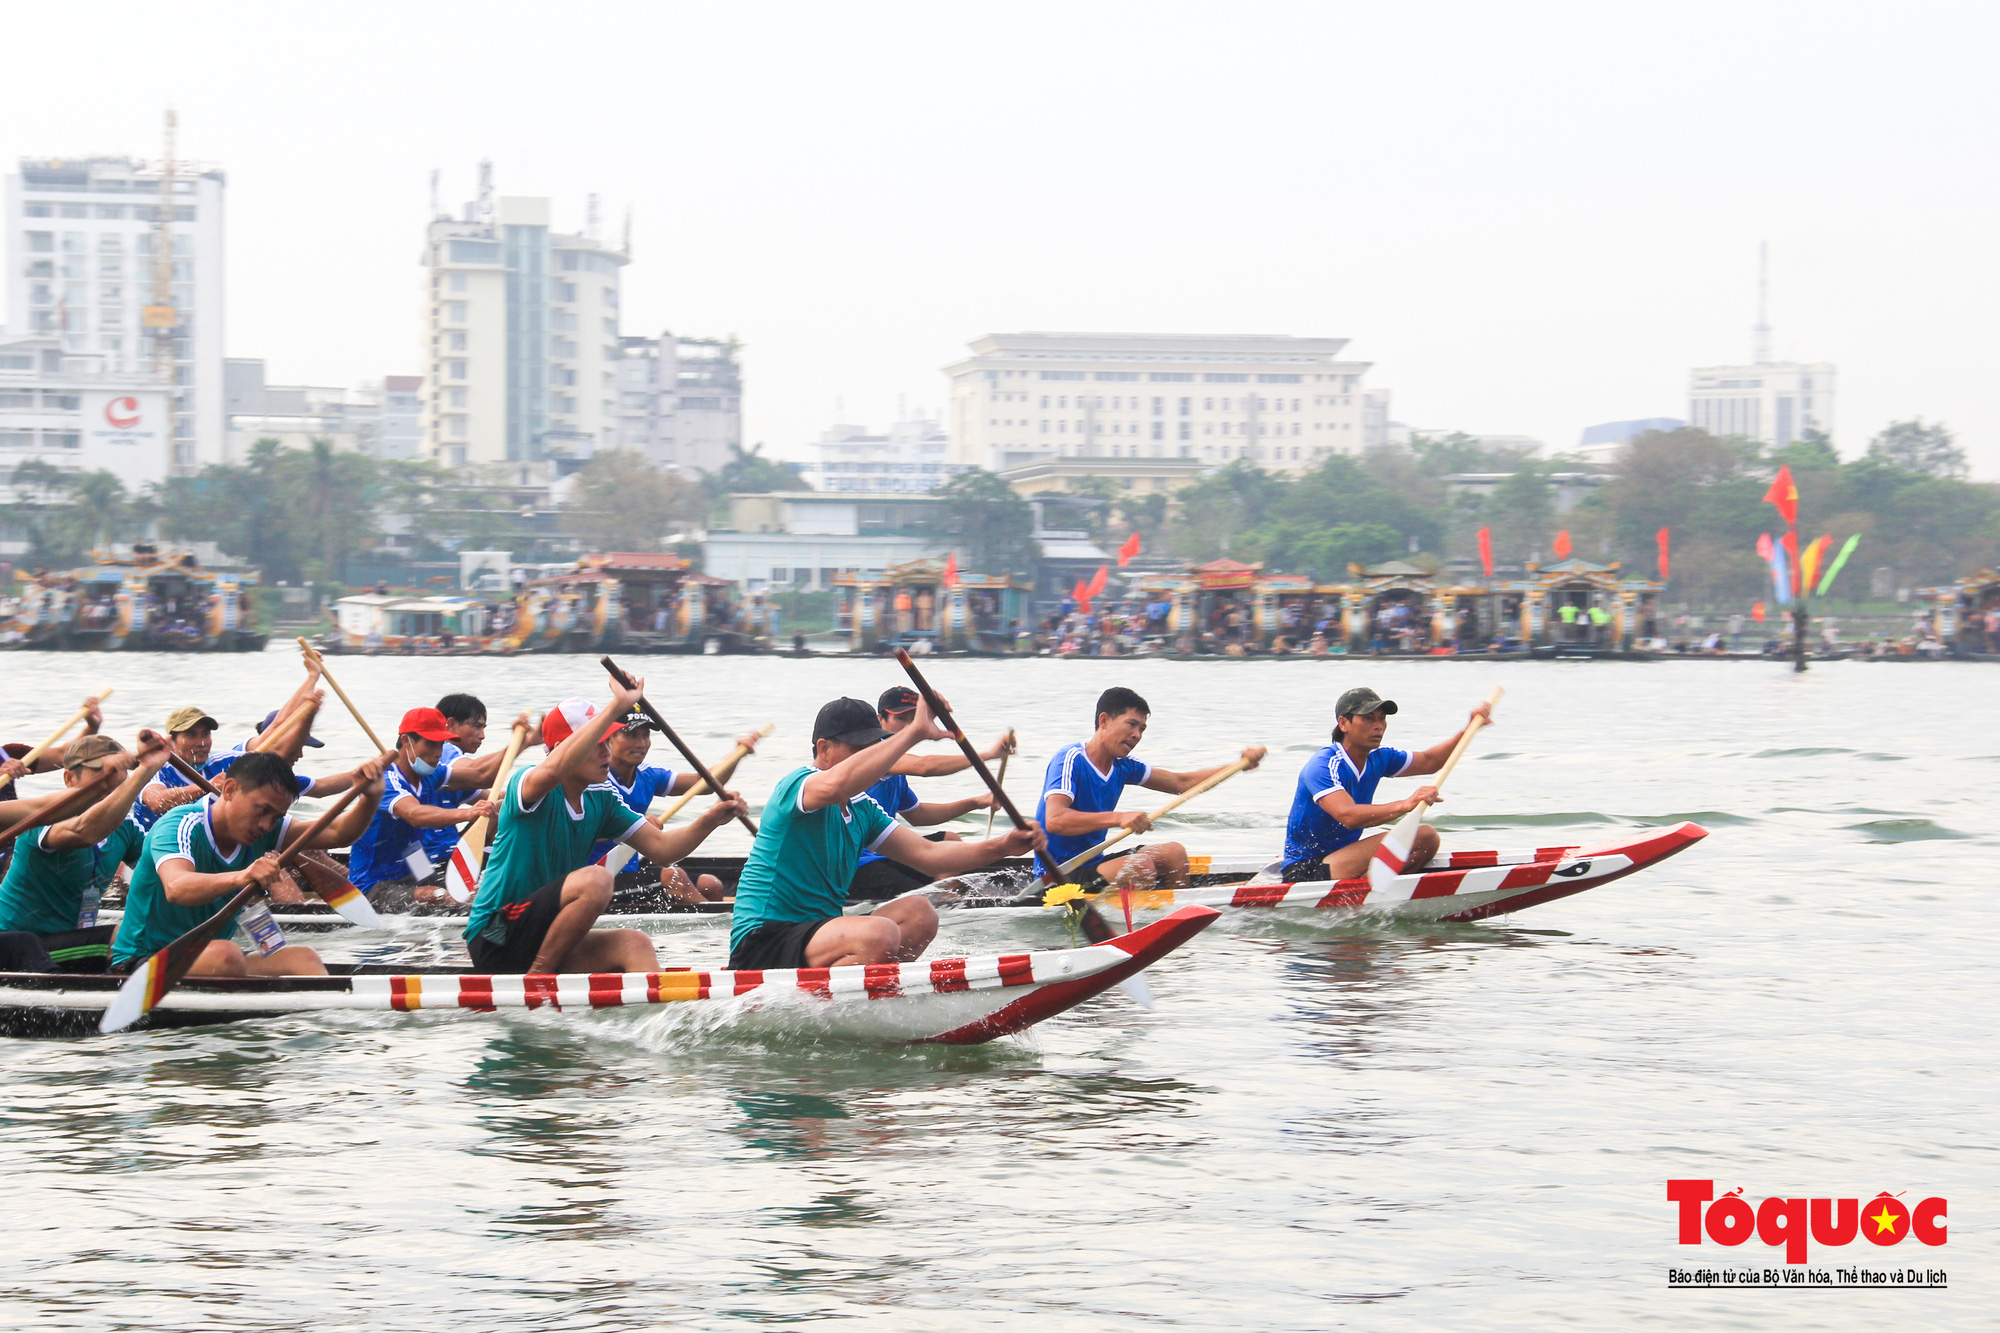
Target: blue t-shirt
(893, 794)
(383, 851)
(649, 783)
(1311, 832)
(1089, 790)
(438, 842)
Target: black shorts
(528, 923)
(86, 950)
(776, 944)
(1303, 872)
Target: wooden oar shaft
(735, 756)
(191, 773)
(945, 720)
(653, 715)
(280, 733)
(31, 756)
(475, 837)
(1472, 729)
(1220, 775)
(373, 739)
(1005, 755)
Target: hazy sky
(1529, 217)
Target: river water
(1320, 1123)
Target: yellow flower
(1062, 893)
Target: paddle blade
(461, 873)
(351, 903)
(619, 857)
(1136, 987)
(136, 998)
(1393, 852)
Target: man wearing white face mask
(391, 852)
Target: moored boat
(956, 1001)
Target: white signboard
(126, 433)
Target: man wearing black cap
(1334, 799)
(878, 878)
(639, 784)
(789, 897)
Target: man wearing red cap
(391, 853)
(539, 895)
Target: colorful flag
(1082, 592)
(1097, 580)
(1838, 561)
(1781, 574)
(1809, 563)
(1562, 544)
(1129, 550)
(1789, 544)
(951, 569)
(1664, 562)
(1486, 551)
(1784, 495)
(1757, 613)
(1764, 547)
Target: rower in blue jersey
(1080, 792)
(878, 878)
(639, 784)
(465, 718)
(1335, 797)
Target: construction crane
(159, 318)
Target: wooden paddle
(152, 979)
(1393, 852)
(343, 897)
(653, 715)
(734, 756)
(316, 656)
(31, 756)
(461, 872)
(1005, 755)
(1214, 779)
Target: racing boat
(1460, 886)
(957, 1001)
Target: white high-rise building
(80, 240)
(1773, 403)
(681, 401)
(1284, 403)
(521, 340)
(910, 459)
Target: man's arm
(1173, 784)
(1432, 759)
(160, 798)
(666, 846)
(864, 768)
(471, 772)
(51, 759)
(185, 887)
(944, 765)
(940, 860)
(927, 813)
(418, 815)
(354, 820)
(1351, 815)
(96, 824)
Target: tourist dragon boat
(1460, 886)
(955, 1001)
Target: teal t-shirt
(151, 922)
(538, 845)
(803, 860)
(44, 890)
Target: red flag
(1784, 495)
(1562, 544)
(1664, 563)
(1486, 551)
(1081, 594)
(1764, 547)
(951, 569)
(1128, 550)
(1098, 580)
(1790, 541)
(1757, 613)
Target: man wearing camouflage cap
(1335, 798)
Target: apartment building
(521, 343)
(80, 242)
(76, 412)
(1284, 403)
(681, 401)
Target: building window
(42, 242)
(455, 370)
(456, 397)
(1159, 430)
(565, 291)
(1185, 425)
(454, 311)
(458, 282)
(455, 342)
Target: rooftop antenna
(486, 190)
(434, 195)
(590, 217)
(628, 231)
(1760, 336)
(159, 317)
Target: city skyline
(1432, 192)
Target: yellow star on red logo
(1885, 1220)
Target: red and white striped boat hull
(1468, 887)
(954, 1000)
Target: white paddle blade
(616, 859)
(461, 877)
(1393, 852)
(1136, 987)
(352, 904)
(137, 996)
